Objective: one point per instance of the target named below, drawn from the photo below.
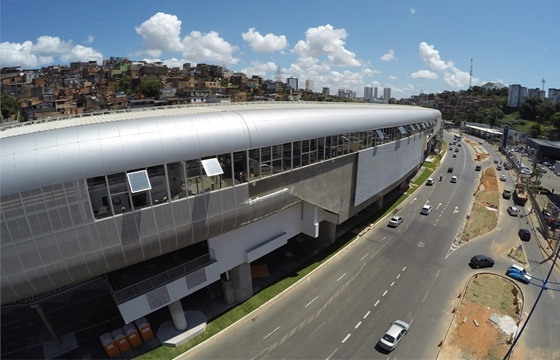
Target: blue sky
(409, 46)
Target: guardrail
(153, 282)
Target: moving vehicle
(524, 234)
(393, 335)
(519, 273)
(502, 177)
(454, 179)
(499, 167)
(512, 210)
(519, 194)
(450, 170)
(454, 155)
(430, 181)
(395, 221)
(426, 209)
(481, 261)
(506, 194)
(507, 166)
(478, 168)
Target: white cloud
(412, 10)
(389, 55)
(260, 69)
(369, 72)
(209, 47)
(90, 39)
(326, 41)
(393, 77)
(46, 51)
(264, 44)
(424, 74)
(431, 57)
(161, 33)
(456, 78)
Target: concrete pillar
(227, 288)
(327, 231)
(378, 204)
(178, 315)
(241, 282)
(46, 322)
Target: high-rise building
(326, 91)
(368, 93)
(386, 95)
(554, 95)
(375, 92)
(536, 92)
(292, 82)
(309, 85)
(516, 95)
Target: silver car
(393, 335)
(395, 221)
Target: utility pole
(470, 76)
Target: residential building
(516, 95)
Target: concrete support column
(241, 282)
(227, 288)
(178, 315)
(46, 322)
(327, 231)
(379, 204)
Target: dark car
(478, 167)
(481, 261)
(524, 234)
(450, 170)
(506, 194)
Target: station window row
(122, 192)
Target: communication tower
(470, 76)
(543, 81)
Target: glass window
(176, 177)
(296, 154)
(158, 192)
(98, 195)
(194, 184)
(226, 178)
(118, 189)
(287, 156)
(240, 173)
(138, 181)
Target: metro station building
(153, 205)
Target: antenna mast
(470, 76)
(543, 81)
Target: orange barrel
(144, 329)
(110, 345)
(132, 334)
(121, 340)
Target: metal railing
(153, 282)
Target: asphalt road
(413, 273)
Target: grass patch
(492, 291)
(241, 310)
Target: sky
(411, 47)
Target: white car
(503, 177)
(512, 210)
(454, 179)
(426, 209)
(430, 181)
(395, 221)
(393, 335)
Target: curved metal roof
(54, 152)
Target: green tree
(535, 130)
(528, 109)
(150, 88)
(10, 106)
(555, 120)
(545, 110)
(125, 85)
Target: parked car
(507, 166)
(395, 221)
(456, 150)
(430, 181)
(393, 335)
(459, 144)
(481, 261)
(450, 169)
(513, 211)
(426, 209)
(502, 177)
(454, 179)
(478, 168)
(499, 167)
(495, 161)
(519, 273)
(524, 234)
(454, 155)
(506, 194)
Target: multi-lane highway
(413, 272)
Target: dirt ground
(485, 341)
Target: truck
(520, 194)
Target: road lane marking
(270, 333)
(358, 325)
(393, 283)
(413, 200)
(438, 205)
(367, 314)
(363, 257)
(335, 350)
(438, 273)
(398, 276)
(309, 303)
(346, 338)
(404, 268)
(318, 327)
(385, 293)
(343, 275)
(426, 296)
(377, 302)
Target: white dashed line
(270, 333)
(335, 350)
(346, 338)
(377, 302)
(343, 275)
(309, 303)
(398, 276)
(358, 325)
(393, 283)
(363, 257)
(404, 268)
(385, 293)
(367, 314)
